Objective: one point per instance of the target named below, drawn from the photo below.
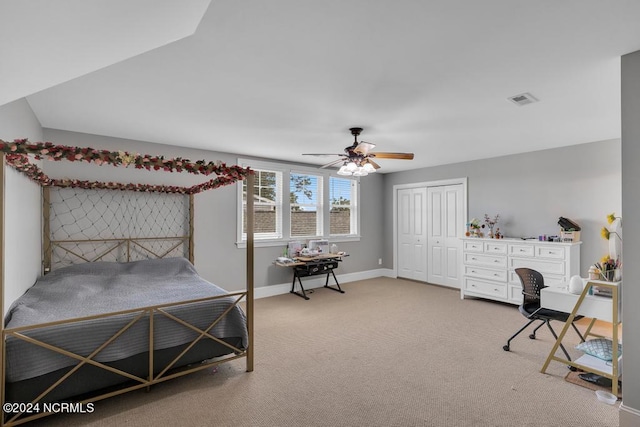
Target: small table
(313, 266)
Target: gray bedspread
(105, 287)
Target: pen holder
(611, 275)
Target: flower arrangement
(610, 266)
(474, 228)
(16, 156)
(605, 232)
(491, 223)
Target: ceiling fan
(358, 157)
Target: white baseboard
(319, 281)
(629, 417)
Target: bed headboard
(88, 225)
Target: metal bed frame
(141, 314)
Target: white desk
(595, 307)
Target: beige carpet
(386, 353)
(574, 378)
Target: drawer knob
(496, 260)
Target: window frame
(354, 217)
(287, 170)
(278, 204)
(319, 206)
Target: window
(317, 205)
(305, 201)
(342, 217)
(267, 200)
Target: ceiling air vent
(523, 99)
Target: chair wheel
(532, 336)
(573, 368)
(505, 348)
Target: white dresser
(489, 265)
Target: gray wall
(631, 233)
(23, 234)
(531, 191)
(216, 256)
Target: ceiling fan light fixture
(351, 167)
(368, 167)
(343, 171)
(360, 172)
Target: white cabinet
(489, 265)
(485, 268)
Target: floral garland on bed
(18, 150)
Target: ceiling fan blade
(333, 163)
(401, 156)
(322, 154)
(364, 147)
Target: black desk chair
(532, 282)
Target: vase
(615, 240)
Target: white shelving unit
(611, 370)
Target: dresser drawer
(473, 247)
(495, 248)
(485, 273)
(494, 261)
(543, 266)
(552, 252)
(549, 279)
(552, 280)
(496, 290)
(521, 250)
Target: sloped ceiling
(44, 43)
(280, 78)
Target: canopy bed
(120, 305)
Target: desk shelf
(586, 362)
(597, 366)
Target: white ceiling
(280, 78)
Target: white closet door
(445, 222)
(412, 234)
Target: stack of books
(603, 291)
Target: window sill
(283, 242)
